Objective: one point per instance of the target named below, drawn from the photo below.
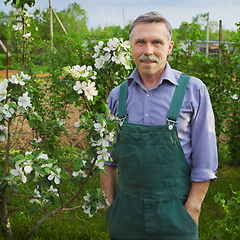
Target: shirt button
(148, 95)
(146, 115)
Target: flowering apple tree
(36, 174)
(113, 63)
(35, 166)
(21, 23)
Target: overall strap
(177, 99)
(122, 100)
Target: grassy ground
(77, 225)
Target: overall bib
(154, 180)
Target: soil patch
(22, 134)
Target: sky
(110, 12)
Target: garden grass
(75, 224)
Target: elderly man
(166, 150)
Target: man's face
(150, 42)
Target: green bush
(228, 227)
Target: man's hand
(108, 183)
(194, 210)
(195, 198)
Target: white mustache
(148, 58)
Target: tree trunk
(5, 216)
(24, 45)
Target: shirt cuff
(203, 174)
(113, 163)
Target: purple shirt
(196, 127)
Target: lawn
(77, 225)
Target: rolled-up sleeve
(203, 139)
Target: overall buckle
(171, 124)
(122, 120)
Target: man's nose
(148, 49)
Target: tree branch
(64, 205)
(59, 193)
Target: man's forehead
(150, 30)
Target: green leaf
(33, 209)
(40, 170)
(77, 165)
(56, 114)
(12, 104)
(110, 148)
(37, 153)
(52, 161)
(73, 97)
(15, 187)
(31, 176)
(18, 158)
(3, 184)
(103, 171)
(64, 175)
(51, 199)
(46, 183)
(2, 176)
(64, 130)
(29, 157)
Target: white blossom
(18, 26)
(112, 45)
(119, 58)
(77, 124)
(25, 76)
(80, 87)
(103, 154)
(90, 90)
(37, 140)
(80, 172)
(36, 196)
(99, 62)
(28, 14)
(53, 190)
(87, 211)
(106, 57)
(97, 49)
(3, 89)
(55, 176)
(23, 103)
(18, 171)
(100, 128)
(126, 44)
(28, 169)
(6, 111)
(15, 79)
(99, 164)
(4, 133)
(27, 35)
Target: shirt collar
(168, 75)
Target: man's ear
(170, 47)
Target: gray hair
(152, 17)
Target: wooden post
(51, 23)
(17, 49)
(59, 21)
(207, 37)
(220, 41)
(123, 19)
(7, 60)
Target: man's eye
(140, 41)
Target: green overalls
(154, 180)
